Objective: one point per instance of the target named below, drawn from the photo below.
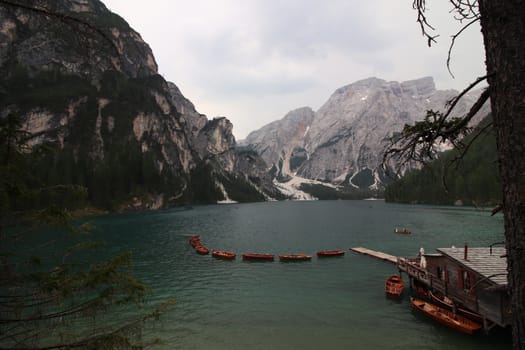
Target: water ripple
(336, 303)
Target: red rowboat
(394, 286)
(446, 317)
(326, 253)
(257, 256)
(195, 241)
(202, 249)
(295, 257)
(221, 254)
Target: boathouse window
(466, 281)
(442, 273)
(461, 278)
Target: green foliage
(125, 172)
(473, 180)
(22, 186)
(240, 190)
(203, 187)
(56, 291)
(100, 153)
(112, 167)
(59, 290)
(12, 139)
(49, 89)
(128, 95)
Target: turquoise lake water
(332, 303)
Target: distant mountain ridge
(343, 142)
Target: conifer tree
(54, 292)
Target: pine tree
(54, 292)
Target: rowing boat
(448, 304)
(201, 249)
(195, 240)
(403, 231)
(446, 317)
(258, 256)
(394, 286)
(221, 254)
(295, 257)
(327, 253)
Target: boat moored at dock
(445, 317)
(394, 286)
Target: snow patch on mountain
(291, 188)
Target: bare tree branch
(465, 10)
(453, 41)
(420, 7)
(419, 142)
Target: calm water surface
(334, 303)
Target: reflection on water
(335, 303)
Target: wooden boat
(202, 249)
(258, 256)
(446, 317)
(195, 241)
(394, 286)
(221, 254)
(440, 300)
(327, 253)
(295, 257)
(403, 231)
(448, 304)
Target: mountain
(283, 140)
(83, 81)
(343, 142)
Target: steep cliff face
(79, 36)
(281, 142)
(240, 174)
(81, 78)
(343, 142)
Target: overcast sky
(253, 61)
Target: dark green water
(334, 303)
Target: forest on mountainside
(471, 179)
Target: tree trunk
(503, 28)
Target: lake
(333, 303)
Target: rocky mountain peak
(282, 139)
(76, 37)
(344, 140)
(419, 87)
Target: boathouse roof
(492, 266)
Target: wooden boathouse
(472, 278)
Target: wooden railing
(412, 268)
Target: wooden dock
(375, 254)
